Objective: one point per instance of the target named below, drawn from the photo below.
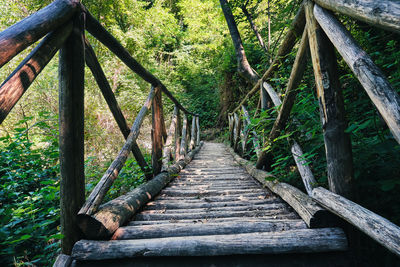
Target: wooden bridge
(204, 199)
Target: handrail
(19, 36)
(64, 22)
(338, 152)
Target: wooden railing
(63, 23)
(322, 32)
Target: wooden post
(168, 143)
(264, 98)
(238, 126)
(183, 150)
(193, 133)
(378, 88)
(71, 105)
(157, 133)
(178, 132)
(198, 131)
(112, 103)
(337, 142)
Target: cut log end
(93, 228)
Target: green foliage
(29, 195)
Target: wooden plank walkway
(213, 208)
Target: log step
(202, 204)
(291, 241)
(289, 216)
(272, 213)
(196, 229)
(268, 206)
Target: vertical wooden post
(157, 133)
(198, 131)
(193, 133)
(71, 105)
(178, 132)
(264, 97)
(183, 150)
(337, 142)
(238, 126)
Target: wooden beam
(166, 158)
(71, 140)
(117, 212)
(382, 13)
(285, 242)
(12, 89)
(178, 133)
(231, 129)
(63, 260)
(197, 131)
(380, 229)
(312, 214)
(157, 133)
(193, 133)
(98, 193)
(288, 43)
(382, 94)
(193, 229)
(100, 77)
(100, 33)
(183, 150)
(27, 31)
(337, 142)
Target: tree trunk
(254, 28)
(244, 67)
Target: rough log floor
(213, 209)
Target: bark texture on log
(98, 193)
(190, 229)
(382, 94)
(197, 131)
(238, 125)
(115, 213)
(168, 144)
(178, 132)
(380, 229)
(193, 133)
(382, 13)
(12, 89)
(312, 214)
(27, 31)
(95, 68)
(296, 241)
(71, 140)
(183, 150)
(157, 133)
(337, 143)
(63, 261)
